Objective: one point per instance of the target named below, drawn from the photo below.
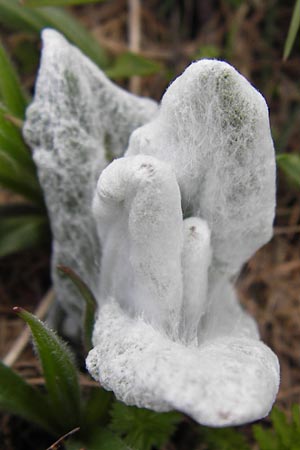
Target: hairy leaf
(59, 371)
(18, 397)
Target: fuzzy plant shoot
(160, 233)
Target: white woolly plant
(191, 200)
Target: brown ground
(251, 37)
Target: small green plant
(283, 435)
(22, 224)
(96, 421)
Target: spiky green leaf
(59, 371)
(19, 398)
(90, 303)
(141, 428)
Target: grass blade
(293, 30)
(11, 91)
(18, 233)
(90, 303)
(59, 371)
(18, 397)
(58, 2)
(16, 178)
(34, 20)
(290, 165)
(11, 142)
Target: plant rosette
(162, 234)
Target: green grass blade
(59, 372)
(90, 303)
(58, 2)
(129, 64)
(289, 163)
(18, 180)
(19, 398)
(20, 17)
(11, 91)
(11, 142)
(18, 233)
(293, 30)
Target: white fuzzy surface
(175, 219)
(78, 118)
(213, 128)
(171, 333)
(227, 381)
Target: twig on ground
(24, 337)
(134, 31)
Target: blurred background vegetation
(143, 45)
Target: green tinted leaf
(142, 429)
(58, 2)
(100, 439)
(90, 303)
(14, 15)
(290, 164)
(59, 371)
(293, 30)
(18, 397)
(18, 233)
(129, 64)
(10, 88)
